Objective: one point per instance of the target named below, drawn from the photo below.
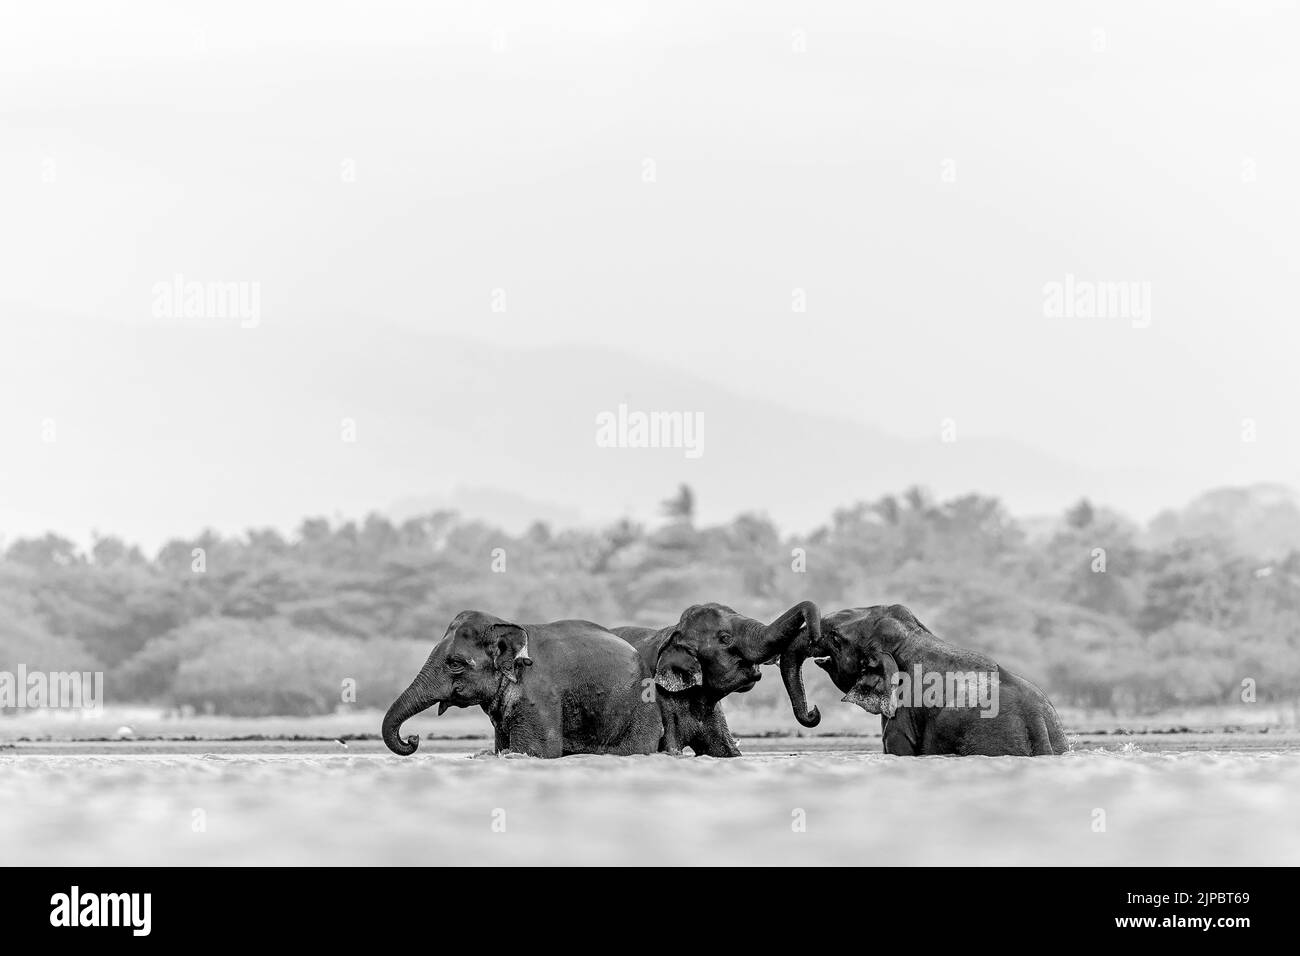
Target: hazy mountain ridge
(232, 428)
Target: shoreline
(1159, 741)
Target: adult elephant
(880, 657)
(713, 651)
(570, 687)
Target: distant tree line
(263, 624)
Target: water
(775, 807)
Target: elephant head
(466, 668)
(716, 648)
(861, 650)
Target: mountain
(164, 430)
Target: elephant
(713, 651)
(568, 687)
(880, 656)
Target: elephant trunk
(790, 636)
(792, 675)
(420, 696)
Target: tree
(47, 552)
(110, 551)
(1081, 515)
(680, 507)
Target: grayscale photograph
(577, 433)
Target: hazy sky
(669, 182)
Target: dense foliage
(262, 624)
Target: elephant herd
(574, 687)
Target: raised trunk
(792, 676)
(420, 696)
(801, 625)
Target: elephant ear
(507, 648)
(676, 668)
(890, 630)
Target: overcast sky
(667, 182)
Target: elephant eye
(724, 638)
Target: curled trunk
(420, 696)
(792, 660)
(791, 637)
